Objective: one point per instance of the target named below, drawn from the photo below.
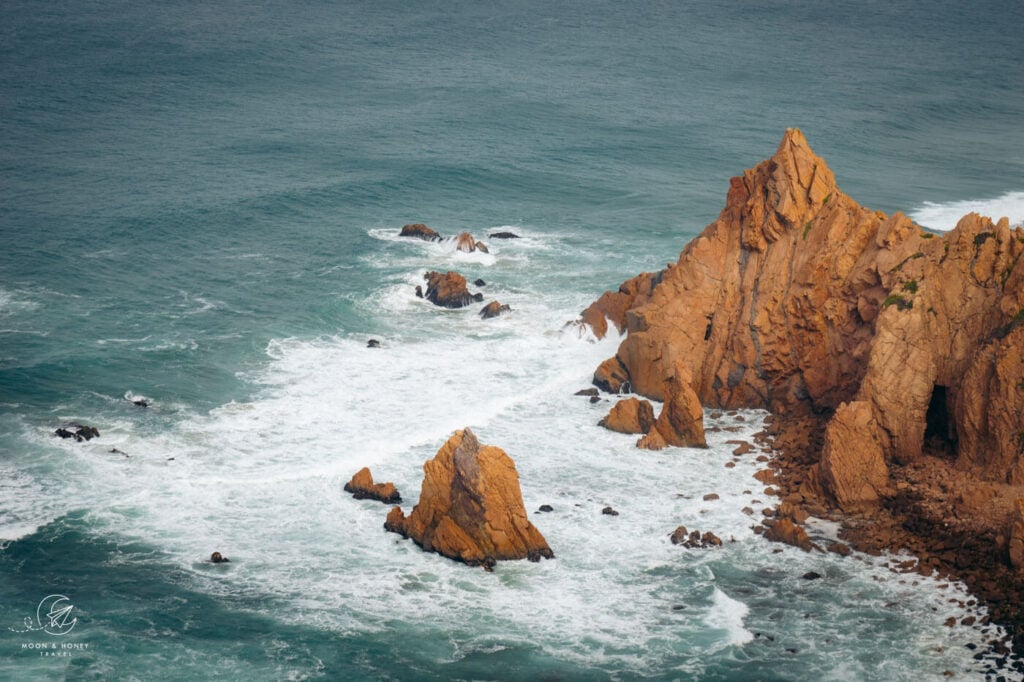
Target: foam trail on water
(945, 215)
(728, 614)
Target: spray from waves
(944, 216)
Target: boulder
(419, 231)
(471, 507)
(362, 487)
(631, 415)
(681, 422)
(449, 290)
(504, 235)
(494, 309)
(482, 248)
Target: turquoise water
(200, 208)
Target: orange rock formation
(631, 415)
(449, 290)
(471, 507)
(362, 487)
(798, 300)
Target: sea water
(200, 210)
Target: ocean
(199, 209)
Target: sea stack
(471, 507)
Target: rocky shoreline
(916, 519)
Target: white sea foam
(261, 480)
(13, 302)
(728, 614)
(945, 215)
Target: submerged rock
(362, 487)
(80, 432)
(504, 235)
(471, 507)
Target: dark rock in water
(595, 399)
(115, 451)
(420, 231)
(362, 487)
(218, 558)
(588, 392)
(449, 290)
(479, 283)
(546, 508)
(373, 343)
(504, 235)
(79, 432)
(494, 309)
(811, 575)
(419, 291)
(141, 402)
(608, 511)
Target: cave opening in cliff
(939, 432)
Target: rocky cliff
(798, 299)
(893, 358)
(471, 507)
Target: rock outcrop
(420, 231)
(449, 290)
(471, 507)
(694, 539)
(630, 415)
(891, 355)
(362, 487)
(797, 299)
